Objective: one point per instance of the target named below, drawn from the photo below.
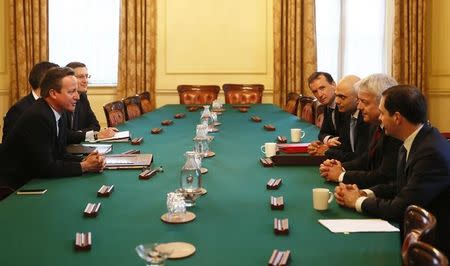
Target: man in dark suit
(13, 114)
(423, 170)
(353, 131)
(83, 118)
(378, 163)
(36, 145)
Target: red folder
(293, 147)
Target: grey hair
(376, 84)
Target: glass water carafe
(206, 117)
(191, 177)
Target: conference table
(234, 221)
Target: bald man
(353, 134)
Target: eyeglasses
(85, 76)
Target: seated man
(36, 144)
(323, 87)
(83, 118)
(423, 171)
(378, 163)
(37, 72)
(353, 132)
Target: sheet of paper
(121, 136)
(357, 225)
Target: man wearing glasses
(83, 118)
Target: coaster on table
(156, 130)
(217, 124)
(137, 141)
(166, 122)
(92, 209)
(279, 258)
(281, 139)
(177, 250)
(105, 191)
(243, 110)
(256, 119)
(220, 110)
(273, 183)
(210, 154)
(213, 130)
(269, 127)
(179, 115)
(179, 218)
(203, 170)
(131, 152)
(266, 162)
(203, 191)
(281, 226)
(276, 203)
(83, 241)
(210, 138)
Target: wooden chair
(446, 135)
(198, 94)
(424, 254)
(319, 113)
(292, 102)
(243, 93)
(146, 105)
(417, 218)
(115, 113)
(307, 107)
(132, 107)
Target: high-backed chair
(146, 105)
(198, 94)
(132, 107)
(292, 103)
(307, 107)
(424, 254)
(115, 113)
(243, 93)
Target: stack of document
(128, 161)
(84, 149)
(358, 225)
(121, 136)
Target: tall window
(86, 31)
(353, 37)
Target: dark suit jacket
(83, 117)
(15, 112)
(327, 125)
(369, 170)
(33, 149)
(344, 152)
(425, 182)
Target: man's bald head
(346, 94)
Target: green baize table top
(234, 224)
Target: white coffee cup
(297, 134)
(321, 198)
(269, 149)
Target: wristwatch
(96, 135)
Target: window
(353, 37)
(86, 31)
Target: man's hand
(107, 133)
(326, 166)
(333, 142)
(316, 148)
(346, 195)
(94, 162)
(334, 171)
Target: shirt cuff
(325, 140)
(341, 176)
(369, 193)
(89, 136)
(358, 203)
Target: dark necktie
(373, 143)
(352, 132)
(331, 115)
(60, 125)
(401, 164)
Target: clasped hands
(331, 169)
(94, 162)
(346, 195)
(317, 148)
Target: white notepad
(358, 225)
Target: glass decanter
(206, 117)
(190, 179)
